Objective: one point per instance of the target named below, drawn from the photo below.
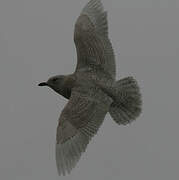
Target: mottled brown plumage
(92, 90)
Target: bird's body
(92, 89)
(88, 81)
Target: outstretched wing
(93, 46)
(78, 123)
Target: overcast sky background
(36, 42)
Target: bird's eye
(54, 79)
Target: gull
(92, 90)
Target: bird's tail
(126, 106)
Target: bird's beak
(43, 84)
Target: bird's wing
(78, 123)
(93, 46)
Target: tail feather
(127, 103)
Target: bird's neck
(67, 85)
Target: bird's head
(55, 82)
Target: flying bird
(92, 89)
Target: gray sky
(36, 41)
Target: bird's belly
(94, 80)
